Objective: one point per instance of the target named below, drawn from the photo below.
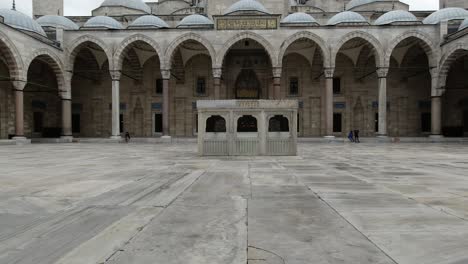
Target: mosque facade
(131, 66)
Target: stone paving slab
(162, 203)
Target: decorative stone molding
(181, 39)
(277, 71)
(425, 41)
(115, 75)
(217, 72)
(382, 72)
(325, 50)
(245, 35)
(374, 42)
(19, 85)
(125, 45)
(166, 74)
(329, 72)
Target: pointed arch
(426, 44)
(247, 35)
(181, 39)
(374, 42)
(12, 56)
(447, 60)
(325, 50)
(55, 64)
(126, 44)
(73, 50)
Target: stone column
(166, 75)
(115, 104)
(277, 82)
(328, 107)
(436, 116)
(382, 76)
(217, 72)
(19, 106)
(436, 102)
(67, 119)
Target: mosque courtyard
(162, 203)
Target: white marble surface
(162, 203)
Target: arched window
(278, 123)
(247, 123)
(216, 124)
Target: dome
(395, 16)
(132, 4)
(102, 22)
(21, 21)
(299, 18)
(246, 5)
(464, 24)
(195, 21)
(356, 3)
(446, 14)
(57, 22)
(346, 17)
(149, 21)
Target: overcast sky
(84, 7)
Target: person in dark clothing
(356, 136)
(351, 136)
(127, 137)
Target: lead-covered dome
(356, 3)
(194, 21)
(464, 24)
(148, 21)
(132, 4)
(246, 6)
(102, 22)
(57, 22)
(299, 18)
(446, 14)
(347, 17)
(21, 21)
(397, 16)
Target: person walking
(351, 136)
(356, 136)
(127, 137)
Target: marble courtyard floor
(162, 204)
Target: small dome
(132, 4)
(21, 21)
(195, 21)
(356, 3)
(395, 16)
(57, 22)
(245, 6)
(149, 21)
(446, 14)
(464, 24)
(346, 17)
(299, 18)
(102, 22)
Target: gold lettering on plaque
(240, 24)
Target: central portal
(247, 85)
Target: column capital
(277, 71)
(434, 72)
(329, 72)
(166, 74)
(382, 72)
(217, 72)
(115, 75)
(18, 85)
